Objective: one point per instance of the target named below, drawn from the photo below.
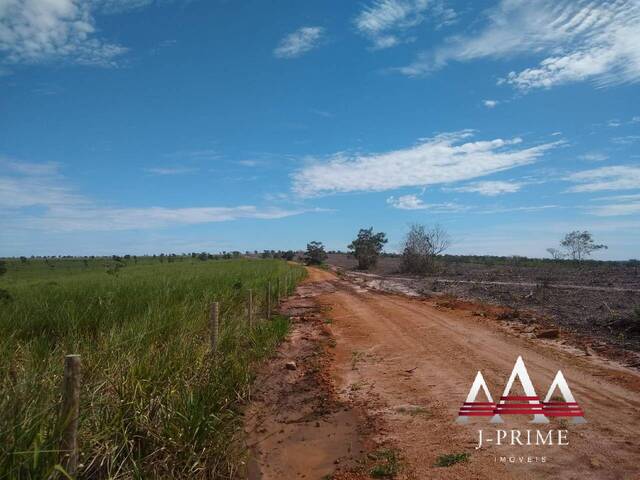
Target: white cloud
(406, 202)
(19, 192)
(24, 184)
(594, 157)
(490, 103)
(626, 140)
(25, 168)
(616, 209)
(533, 208)
(578, 40)
(92, 218)
(321, 113)
(442, 159)
(60, 208)
(248, 163)
(170, 170)
(632, 196)
(490, 188)
(299, 42)
(36, 31)
(619, 177)
(203, 154)
(413, 202)
(117, 6)
(384, 21)
(623, 205)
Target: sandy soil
(399, 369)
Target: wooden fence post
(70, 414)
(214, 325)
(269, 300)
(250, 307)
(278, 284)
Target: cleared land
(155, 403)
(598, 300)
(393, 375)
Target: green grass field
(154, 402)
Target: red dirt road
(408, 365)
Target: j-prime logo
(528, 404)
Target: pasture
(155, 402)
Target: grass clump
(451, 459)
(387, 464)
(155, 403)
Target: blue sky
(141, 126)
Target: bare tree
(420, 247)
(580, 245)
(555, 253)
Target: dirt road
(406, 365)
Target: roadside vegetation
(155, 403)
(386, 463)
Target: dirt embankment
(398, 370)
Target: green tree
(3, 267)
(366, 247)
(580, 245)
(315, 254)
(289, 255)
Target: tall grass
(154, 402)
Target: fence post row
(70, 414)
(214, 325)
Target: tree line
(422, 245)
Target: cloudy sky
(142, 126)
